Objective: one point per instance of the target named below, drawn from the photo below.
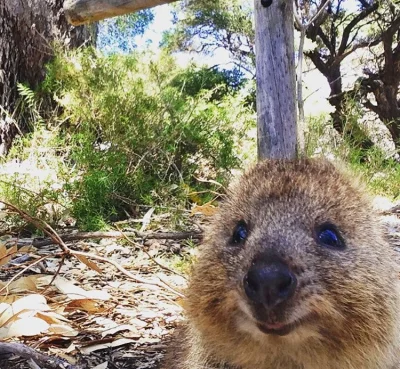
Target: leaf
(7, 254)
(102, 365)
(5, 314)
(27, 248)
(119, 328)
(51, 317)
(23, 307)
(12, 250)
(101, 346)
(88, 305)
(3, 250)
(146, 219)
(206, 209)
(31, 326)
(5, 260)
(63, 330)
(76, 293)
(24, 284)
(89, 263)
(8, 299)
(30, 302)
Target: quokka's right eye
(240, 232)
(329, 236)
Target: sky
(163, 22)
(316, 88)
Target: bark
(300, 100)
(276, 104)
(27, 29)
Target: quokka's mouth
(282, 329)
(278, 329)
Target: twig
(22, 272)
(126, 272)
(150, 257)
(40, 242)
(26, 352)
(56, 239)
(55, 274)
(41, 224)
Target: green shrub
(382, 174)
(137, 136)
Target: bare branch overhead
(84, 11)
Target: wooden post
(84, 11)
(276, 94)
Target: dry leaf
(27, 327)
(101, 346)
(62, 353)
(63, 330)
(30, 302)
(146, 219)
(123, 327)
(51, 317)
(77, 293)
(26, 249)
(5, 260)
(12, 250)
(89, 263)
(24, 284)
(206, 209)
(88, 305)
(3, 250)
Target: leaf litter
(91, 314)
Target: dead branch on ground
(41, 242)
(66, 251)
(42, 360)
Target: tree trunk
(276, 104)
(337, 98)
(27, 29)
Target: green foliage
(118, 34)
(142, 131)
(223, 82)
(30, 103)
(205, 25)
(34, 174)
(381, 173)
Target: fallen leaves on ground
(91, 314)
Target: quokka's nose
(269, 284)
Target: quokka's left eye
(329, 236)
(240, 232)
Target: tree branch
(347, 30)
(42, 360)
(40, 242)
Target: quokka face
(295, 258)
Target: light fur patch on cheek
(303, 333)
(245, 309)
(247, 326)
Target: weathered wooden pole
(275, 70)
(84, 11)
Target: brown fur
(349, 297)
